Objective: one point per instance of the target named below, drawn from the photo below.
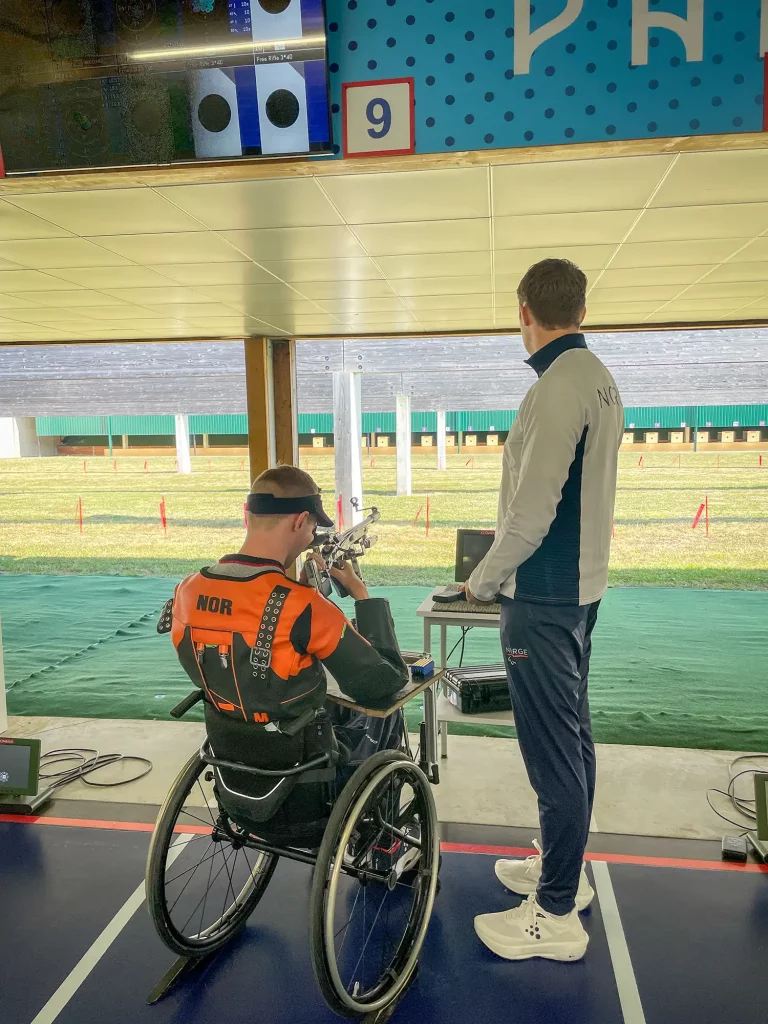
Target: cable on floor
(741, 804)
(87, 760)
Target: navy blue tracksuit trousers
(546, 654)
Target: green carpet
(670, 667)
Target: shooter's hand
(311, 556)
(351, 581)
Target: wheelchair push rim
(202, 880)
(351, 994)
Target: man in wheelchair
(257, 642)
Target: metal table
(439, 708)
(426, 685)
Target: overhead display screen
(99, 83)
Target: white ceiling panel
(272, 203)
(673, 236)
(552, 229)
(592, 185)
(410, 195)
(40, 254)
(693, 222)
(424, 237)
(15, 223)
(588, 257)
(268, 244)
(441, 285)
(659, 254)
(178, 247)
(206, 274)
(701, 179)
(643, 276)
(124, 211)
(440, 264)
(109, 277)
(294, 271)
(29, 281)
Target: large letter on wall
(526, 42)
(690, 29)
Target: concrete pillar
(205, 440)
(442, 462)
(182, 443)
(347, 430)
(19, 440)
(125, 442)
(403, 426)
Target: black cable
(85, 766)
(464, 631)
(743, 805)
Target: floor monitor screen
(99, 83)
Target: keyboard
(460, 606)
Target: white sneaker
(529, 931)
(522, 877)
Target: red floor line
(495, 851)
(611, 858)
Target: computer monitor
(471, 548)
(19, 766)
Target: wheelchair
(372, 843)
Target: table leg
(427, 636)
(443, 739)
(443, 644)
(430, 733)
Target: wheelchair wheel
(202, 883)
(373, 888)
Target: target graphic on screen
(215, 118)
(136, 15)
(272, 20)
(84, 122)
(282, 95)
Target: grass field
(654, 543)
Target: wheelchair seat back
(290, 809)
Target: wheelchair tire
(175, 824)
(334, 889)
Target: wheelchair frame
(330, 861)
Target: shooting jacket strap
(261, 652)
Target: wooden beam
(244, 170)
(259, 404)
(284, 388)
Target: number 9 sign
(378, 117)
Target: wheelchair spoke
(187, 870)
(205, 894)
(230, 887)
(202, 821)
(170, 909)
(205, 901)
(208, 806)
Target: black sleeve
(366, 663)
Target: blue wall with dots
(581, 85)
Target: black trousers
(546, 654)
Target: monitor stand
(12, 804)
(760, 846)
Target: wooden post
(270, 387)
(284, 386)
(259, 403)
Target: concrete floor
(649, 791)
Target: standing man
(549, 564)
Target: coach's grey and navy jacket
(558, 484)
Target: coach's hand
(470, 596)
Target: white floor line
(83, 968)
(623, 972)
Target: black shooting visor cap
(270, 505)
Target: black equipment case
(477, 688)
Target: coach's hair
(555, 292)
